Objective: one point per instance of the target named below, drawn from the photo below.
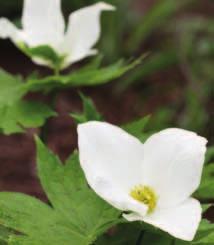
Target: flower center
(146, 195)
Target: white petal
(84, 31)
(69, 60)
(181, 222)
(9, 30)
(114, 195)
(133, 217)
(111, 160)
(42, 62)
(173, 162)
(43, 22)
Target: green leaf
(205, 234)
(44, 52)
(161, 119)
(23, 114)
(5, 234)
(159, 14)
(206, 189)
(90, 113)
(76, 215)
(91, 76)
(209, 154)
(156, 239)
(35, 222)
(102, 75)
(124, 234)
(135, 233)
(204, 231)
(154, 63)
(11, 88)
(205, 207)
(70, 195)
(137, 128)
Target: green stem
(56, 71)
(140, 238)
(44, 132)
(53, 95)
(45, 128)
(173, 242)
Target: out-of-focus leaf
(11, 88)
(209, 154)
(205, 207)
(195, 44)
(154, 63)
(161, 119)
(10, 6)
(23, 114)
(5, 234)
(194, 116)
(116, 27)
(206, 189)
(137, 128)
(156, 239)
(125, 234)
(153, 19)
(90, 113)
(205, 234)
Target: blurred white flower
(43, 24)
(151, 182)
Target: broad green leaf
(11, 88)
(84, 208)
(76, 215)
(89, 113)
(5, 234)
(23, 114)
(36, 222)
(137, 128)
(206, 189)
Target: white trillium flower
(151, 182)
(43, 24)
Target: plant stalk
(140, 238)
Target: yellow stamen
(146, 195)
